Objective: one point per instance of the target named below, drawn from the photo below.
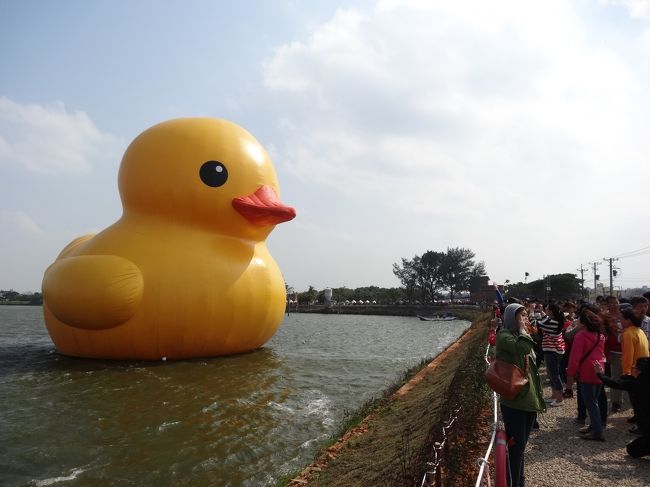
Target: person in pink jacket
(588, 350)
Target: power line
(633, 253)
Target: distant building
(481, 291)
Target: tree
(11, 295)
(563, 286)
(390, 295)
(408, 275)
(458, 268)
(342, 294)
(421, 274)
(433, 271)
(430, 274)
(308, 296)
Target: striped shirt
(552, 339)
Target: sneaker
(588, 437)
(554, 403)
(584, 429)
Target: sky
(518, 129)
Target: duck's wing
(74, 245)
(93, 291)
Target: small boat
(447, 317)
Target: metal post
(582, 281)
(596, 276)
(611, 274)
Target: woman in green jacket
(515, 345)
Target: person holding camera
(515, 345)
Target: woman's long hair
(558, 315)
(590, 318)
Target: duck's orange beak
(263, 207)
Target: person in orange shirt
(634, 346)
(634, 342)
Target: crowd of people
(596, 352)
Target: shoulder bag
(506, 379)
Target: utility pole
(582, 281)
(596, 277)
(611, 274)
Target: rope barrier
(484, 471)
(438, 446)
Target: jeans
(590, 395)
(602, 405)
(564, 362)
(518, 425)
(552, 360)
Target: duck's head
(205, 172)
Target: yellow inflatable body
(185, 272)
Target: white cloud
(644, 39)
(418, 102)
(49, 139)
(467, 112)
(639, 9)
(18, 221)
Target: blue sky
(517, 129)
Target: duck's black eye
(213, 173)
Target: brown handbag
(506, 379)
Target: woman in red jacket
(586, 352)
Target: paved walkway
(557, 456)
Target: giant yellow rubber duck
(185, 272)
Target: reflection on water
(241, 420)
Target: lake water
(245, 420)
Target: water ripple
(244, 420)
